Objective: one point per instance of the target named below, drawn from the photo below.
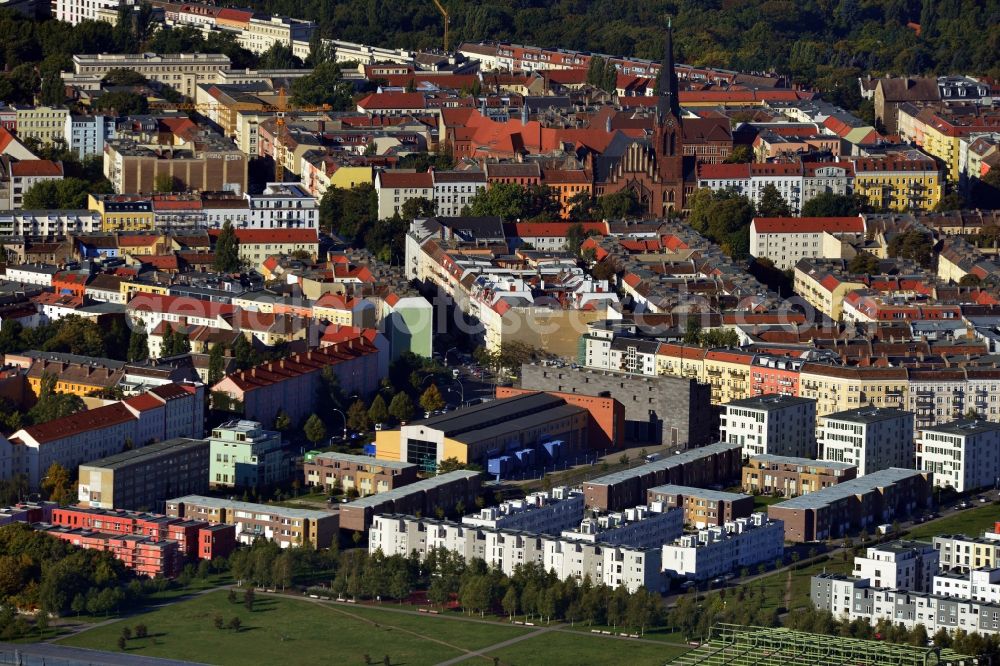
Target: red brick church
(652, 167)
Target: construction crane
(447, 22)
(279, 108)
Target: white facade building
(85, 135)
(49, 222)
(963, 454)
(77, 11)
(716, 551)
(639, 527)
(395, 188)
(870, 438)
(906, 565)
(979, 585)
(39, 274)
(282, 206)
(773, 424)
(612, 565)
(541, 512)
(454, 190)
(786, 240)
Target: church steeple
(669, 100)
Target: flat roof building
(702, 507)
(872, 438)
(141, 479)
(790, 477)
(775, 424)
(284, 525)
(709, 465)
(863, 503)
(963, 454)
(365, 474)
(443, 492)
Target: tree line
(530, 591)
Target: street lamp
(334, 409)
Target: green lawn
(972, 522)
(277, 631)
(761, 502)
(557, 648)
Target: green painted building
(244, 455)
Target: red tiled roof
(423, 179)
(256, 236)
(36, 168)
(75, 424)
(393, 100)
(143, 402)
(786, 225)
(557, 229)
(178, 305)
(169, 392)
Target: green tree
(772, 204)
(723, 216)
(325, 86)
(227, 251)
(123, 76)
(66, 193)
(244, 354)
(357, 416)
(216, 363)
(138, 343)
(122, 102)
(829, 204)
(165, 183)
(314, 429)
(913, 245)
(417, 207)
(58, 484)
(740, 154)
(863, 264)
(401, 407)
(278, 56)
(282, 422)
(511, 201)
(431, 399)
(378, 412)
(509, 602)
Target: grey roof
(869, 414)
(221, 503)
(103, 308)
(792, 460)
(770, 402)
(681, 458)
(963, 427)
(365, 460)
(149, 452)
(715, 495)
(858, 486)
(62, 357)
(419, 486)
(490, 413)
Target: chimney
(607, 124)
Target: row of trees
(530, 591)
(72, 334)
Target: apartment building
(291, 384)
(863, 503)
(978, 585)
(77, 11)
(18, 177)
(543, 512)
(639, 527)
(444, 491)
(911, 181)
(261, 33)
(452, 191)
(395, 188)
(725, 548)
(181, 71)
(56, 222)
(257, 245)
(141, 479)
(870, 438)
(85, 135)
(195, 539)
(614, 566)
(242, 454)
(963, 454)
(790, 477)
(702, 507)
(772, 424)
(47, 124)
(966, 553)
(786, 240)
(852, 599)
(208, 163)
(903, 565)
(365, 474)
(714, 464)
(283, 525)
(145, 556)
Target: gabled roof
(75, 424)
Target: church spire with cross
(666, 85)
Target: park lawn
(464, 631)
(972, 522)
(559, 648)
(761, 502)
(277, 631)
